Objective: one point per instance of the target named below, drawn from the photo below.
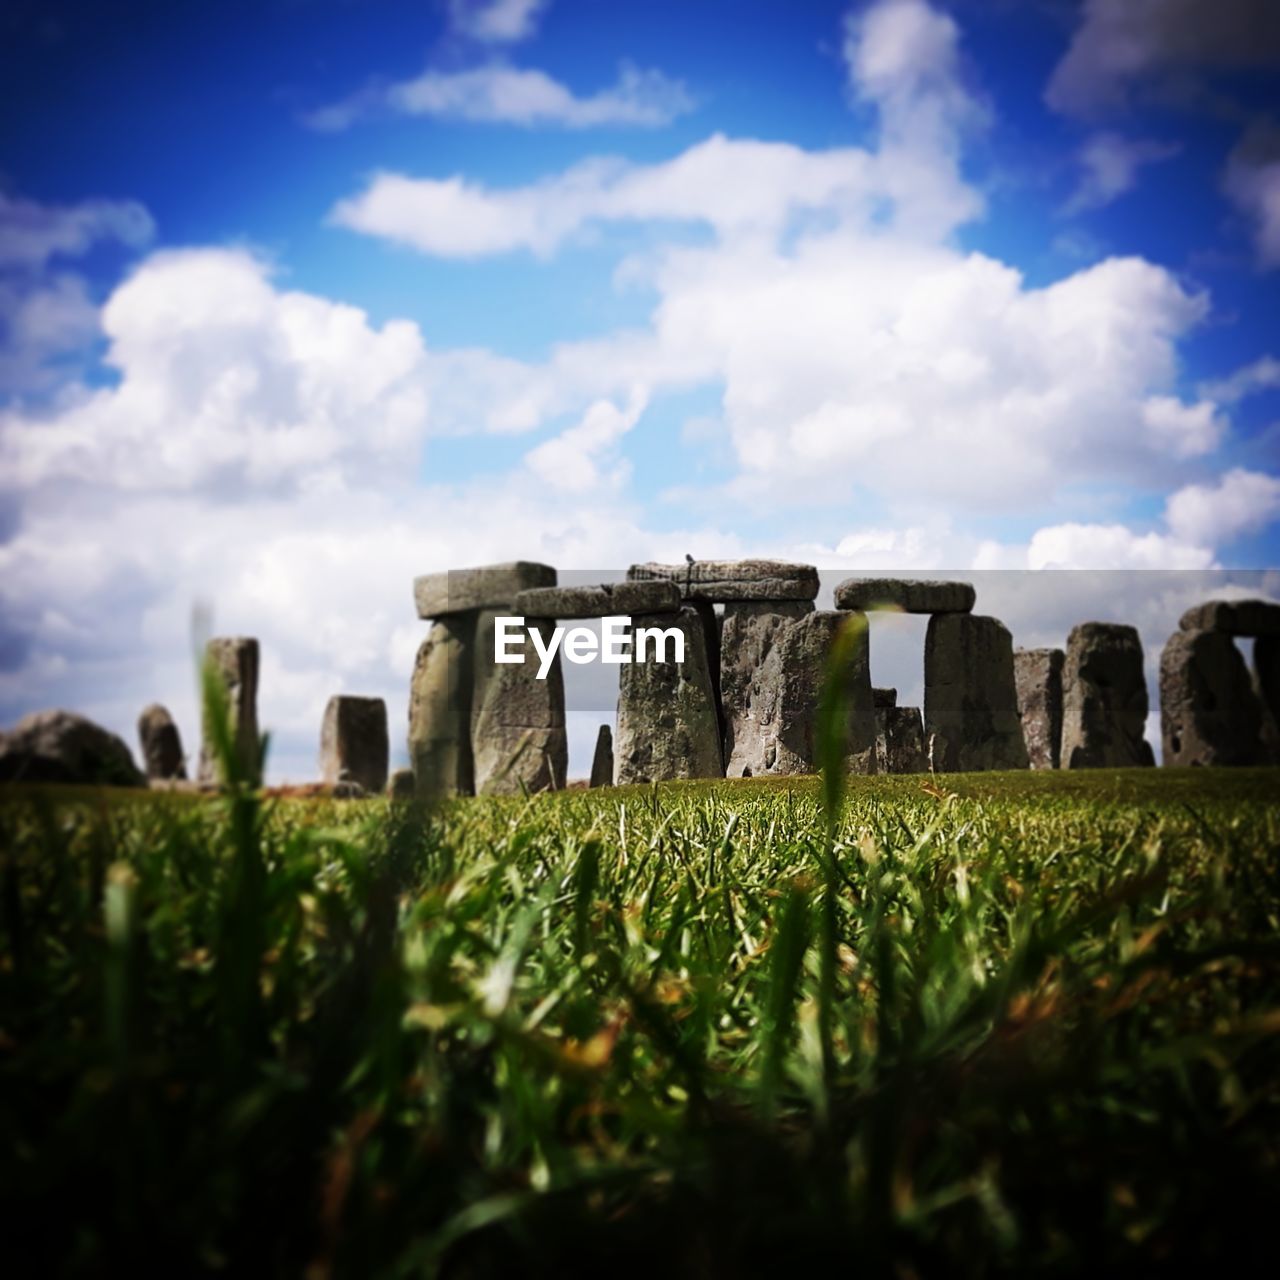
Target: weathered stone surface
(970, 701)
(748, 687)
(602, 760)
(900, 740)
(161, 744)
(1266, 688)
(719, 581)
(1104, 699)
(517, 721)
(611, 599)
(884, 697)
(353, 741)
(401, 786)
(1209, 714)
(910, 595)
(1038, 676)
(60, 746)
(1233, 617)
(440, 709)
(801, 654)
(667, 720)
(491, 586)
(234, 659)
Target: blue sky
(300, 298)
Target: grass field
(993, 1024)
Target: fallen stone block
(353, 741)
(1209, 713)
(518, 739)
(1104, 699)
(440, 709)
(908, 595)
(970, 699)
(1233, 617)
(668, 725)
(161, 744)
(621, 599)
(234, 661)
(493, 586)
(60, 746)
(1038, 677)
(602, 760)
(720, 581)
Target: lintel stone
(910, 595)
(1233, 617)
(610, 599)
(491, 586)
(722, 581)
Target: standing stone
(1266, 687)
(970, 700)
(748, 688)
(353, 742)
(718, 581)
(907, 595)
(1037, 674)
(900, 740)
(1209, 714)
(517, 721)
(440, 709)
(884, 697)
(789, 689)
(234, 660)
(1104, 699)
(161, 744)
(667, 720)
(602, 761)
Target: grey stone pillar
(1038, 677)
(440, 709)
(517, 721)
(1104, 698)
(353, 742)
(602, 760)
(667, 720)
(234, 660)
(970, 701)
(161, 744)
(1209, 713)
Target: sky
(301, 298)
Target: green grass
(999, 1023)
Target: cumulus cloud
(32, 233)
(1163, 45)
(496, 21)
(1241, 502)
(500, 94)
(584, 458)
(1262, 374)
(1109, 164)
(1184, 430)
(1252, 183)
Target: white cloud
(1109, 163)
(1252, 183)
(1241, 502)
(1262, 375)
(32, 233)
(496, 21)
(584, 458)
(1121, 45)
(1184, 430)
(500, 94)
(225, 382)
(1094, 546)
